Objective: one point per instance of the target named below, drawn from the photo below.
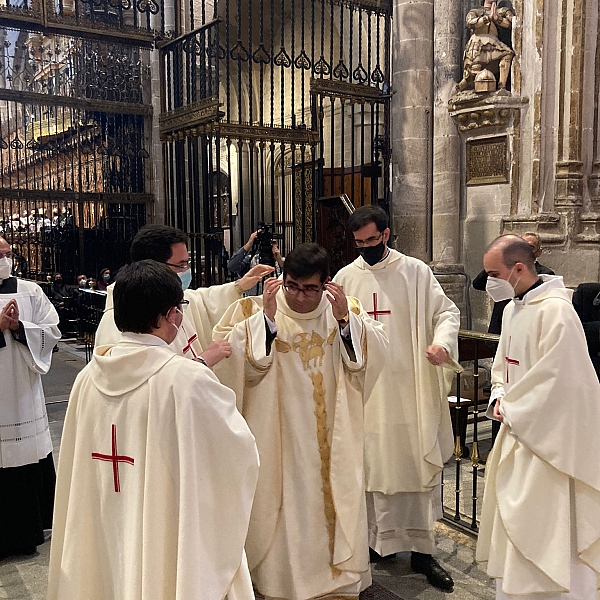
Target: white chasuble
(540, 518)
(156, 478)
(408, 433)
(206, 307)
(303, 401)
(24, 433)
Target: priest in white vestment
(408, 432)
(157, 468)
(304, 357)
(28, 333)
(168, 245)
(540, 522)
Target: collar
(536, 284)
(144, 339)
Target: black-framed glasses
(368, 241)
(183, 265)
(183, 305)
(309, 291)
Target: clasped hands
(9, 316)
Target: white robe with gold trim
(304, 404)
(541, 506)
(408, 433)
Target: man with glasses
(157, 468)
(168, 245)
(28, 333)
(408, 433)
(304, 358)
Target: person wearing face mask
(168, 245)
(304, 358)
(156, 464)
(539, 529)
(408, 433)
(104, 280)
(28, 332)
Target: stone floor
(24, 578)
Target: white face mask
(6, 266)
(501, 289)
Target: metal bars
(288, 102)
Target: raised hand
(337, 297)
(253, 276)
(216, 352)
(270, 289)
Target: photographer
(261, 248)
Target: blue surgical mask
(186, 278)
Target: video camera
(264, 242)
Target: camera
(264, 242)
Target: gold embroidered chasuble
(303, 402)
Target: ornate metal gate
(74, 114)
(267, 106)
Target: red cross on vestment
(115, 458)
(189, 348)
(375, 313)
(510, 361)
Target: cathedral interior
(221, 116)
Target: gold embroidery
(246, 305)
(325, 454)
(311, 348)
(354, 305)
(248, 353)
(331, 336)
(282, 346)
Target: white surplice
(156, 477)
(540, 522)
(304, 401)
(408, 433)
(24, 433)
(206, 307)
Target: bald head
(514, 250)
(511, 258)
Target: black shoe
(437, 576)
(375, 557)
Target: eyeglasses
(183, 305)
(368, 241)
(7, 255)
(309, 291)
(183, 265)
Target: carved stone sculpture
(484, 50)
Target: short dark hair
(155, 242)
(305, 260)
(144, 291)
(370, 213)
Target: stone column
(447, 41)
(412, 106)
(569, 173)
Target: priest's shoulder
(243, 308)
(29, 287)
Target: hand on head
(270, 289)
(339, 303)
(253, 276)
